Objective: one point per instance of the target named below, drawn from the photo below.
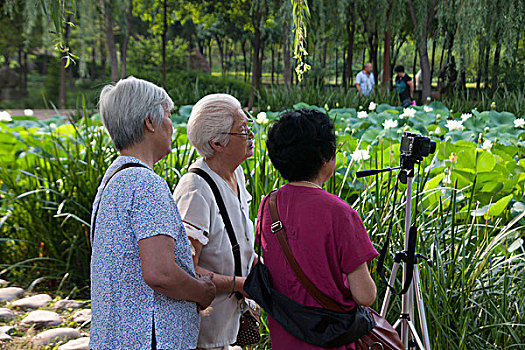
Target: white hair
(210, 119)
(125, 106)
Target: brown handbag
(382, 337)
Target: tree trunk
(93, 63)
(486, 66)
(287, 70)
(336, 65)
(421, 43)
(373, 44)
(124, 50)
(272, 49)
(209, 55)
(325, 48)
(350, 30)
(480, 59)
(245, 68)
(256, 70)
(433, 59)
(110, 39)
(164, 33)
(221, 51)
(414, 65)
(44, 64)
(495, 67)
(386, 84)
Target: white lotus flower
(487, 145)
(519, 123)
(261, 118)
(360, 154)
(6, 117)
(28, 112)
(372, 106)
(427, 109)
(454, 125)
(407, 112)
(437, 131)
(389, 124)
(362, 114)
(465, 116)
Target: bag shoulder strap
(224, 213)
(280, 233)
(122, 167)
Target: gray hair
(125, 106)
(210, 118)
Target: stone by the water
(55, 334)
(6, 315)
(76, 344)
(42, 318)
(3, 282)
(82, 316)
(68, 304)
(5, 332)
(34, 302)
(10, 293)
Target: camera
(416, 145)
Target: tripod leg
(416, 336)
(388, 293)
(421, 308)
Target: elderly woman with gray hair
(221, 133)
(144, 290)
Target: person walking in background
(364, 81)
(404, 86)
(221, 133)
(326, 236)
(144, 290)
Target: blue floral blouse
(136, 204)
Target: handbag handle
(280, 233)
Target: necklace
(309, 182)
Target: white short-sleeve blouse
(202, 221)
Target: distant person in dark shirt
(404, 86)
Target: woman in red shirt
(325, 234)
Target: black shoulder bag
(249, 328)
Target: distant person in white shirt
(364, 81)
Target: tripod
(409, 335)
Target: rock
(10, 293)
(7, 329)
(34, 302)
(3, 282)
(68, 304)
(5, 337)
(6, 315)
(42, 318)
(5, 332)
(82, 316)
(76, 344)
(55, 334)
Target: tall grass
(473, 294)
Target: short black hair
(399, 69)
(300, 142)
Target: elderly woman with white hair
(144, 290)
(221, 133)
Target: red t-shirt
(328, 240)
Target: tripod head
(414, 147)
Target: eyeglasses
(247, 130)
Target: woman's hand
(239, 286)
(208, 291)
